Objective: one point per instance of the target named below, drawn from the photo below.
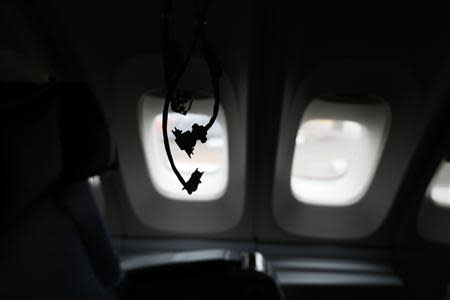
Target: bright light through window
(439, 190)
(315, 138)
(210, 157)
(335, 159)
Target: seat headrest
(87, 146)
(50, 133)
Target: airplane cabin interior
(212, 149)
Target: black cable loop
(172, 81)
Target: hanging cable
(175, 66)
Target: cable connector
(193, 182)
(186, 140)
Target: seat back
(53, 243)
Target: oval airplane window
(335, 159)
(210, 157)
(439, 189)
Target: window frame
(146, 211)
(375, 117)
(351, 79)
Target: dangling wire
(174, 68)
